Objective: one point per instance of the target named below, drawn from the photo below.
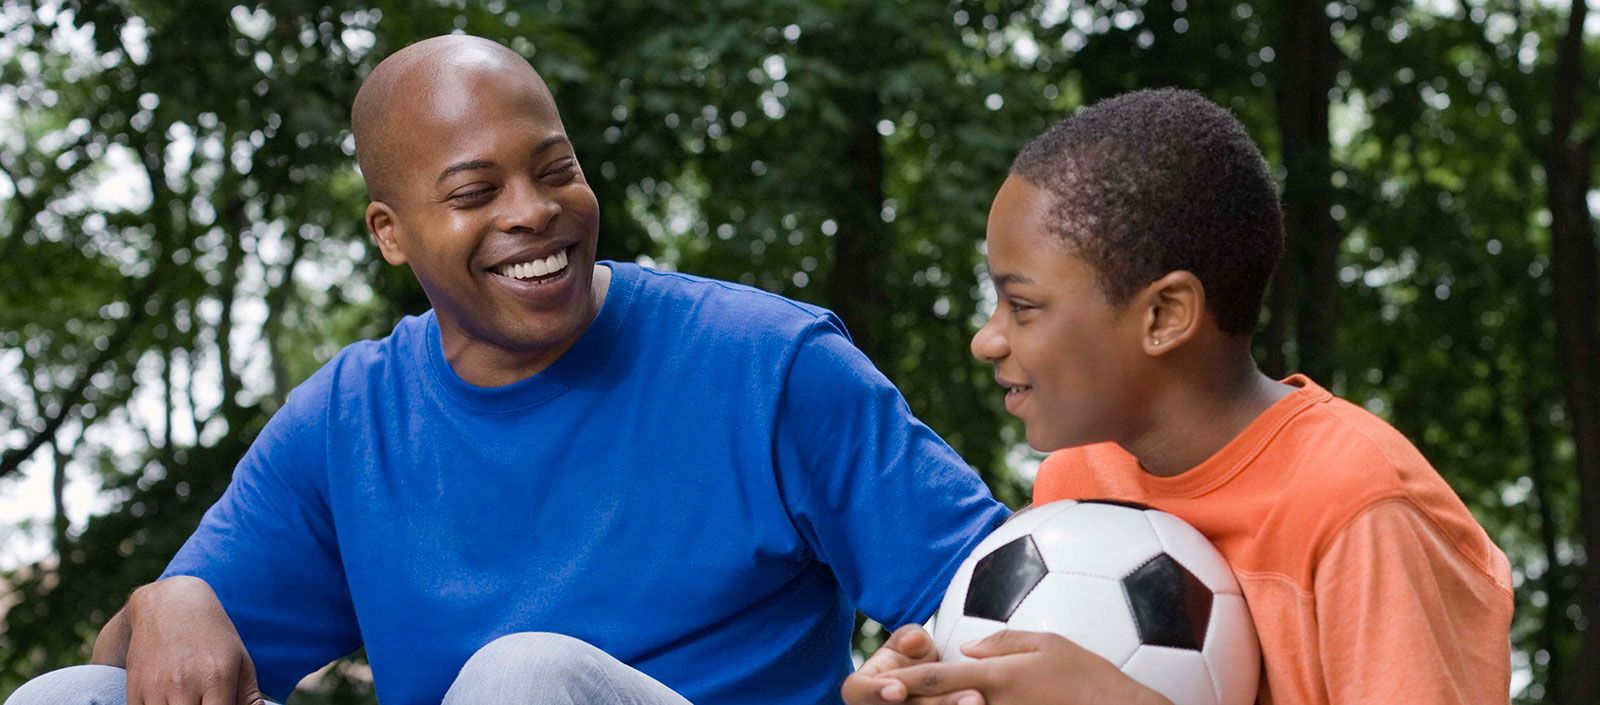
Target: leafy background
(181, 242)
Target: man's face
(490, 209)
(1066, 357)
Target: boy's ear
(1174, 309)
(385, 227)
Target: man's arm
(111, 645)
(178, 645)
(259, 587)
(874, 492)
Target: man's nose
(528, 208)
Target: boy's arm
(1405, 616)
(1023, 668)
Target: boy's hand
(908, 646)
(1024, 668)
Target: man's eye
(473, 195)
(563, 171)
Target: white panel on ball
(1190, 549)
(1020, 524)
(950, 608)
(1090, 611)
(1178, 674)
(962, 630)
(1232, 650)
(1097, 539)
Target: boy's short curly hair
(1154, 181)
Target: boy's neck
(1195, 415)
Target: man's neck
(486, 364)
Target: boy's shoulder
(1340, 461)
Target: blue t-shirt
(706, 486)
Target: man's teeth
(553, 264)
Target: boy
(1130, 248)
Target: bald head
(413, 94)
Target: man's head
(1133, 240)
(474, 184)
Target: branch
(78, 393)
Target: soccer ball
(1136, 586)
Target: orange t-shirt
(1368, 579)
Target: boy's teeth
(537, 268)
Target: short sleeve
(1404, 617)
(878, 497)
(267, 549)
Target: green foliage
(181, 215)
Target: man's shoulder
(359, 364)
(727, 308)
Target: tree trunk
(856, 287)
(58, 495)
(1307, 282)
(277, 299)
(1576, 281)
(1539, 472)
(1280, 306)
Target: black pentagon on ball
(1130, 504)
(1170, 606)
(1003, 578)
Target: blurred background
(181, 238)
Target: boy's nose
(988, 345)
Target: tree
(1573, 258)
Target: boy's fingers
(912, 641)
(944, 678)
(1005, 642)
(965, 697)
(861, 689)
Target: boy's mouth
(1014, 392)
(1014, 397)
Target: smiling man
(571, 481)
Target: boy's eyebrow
(1003, 280)
(544, 144)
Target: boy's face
(1067, 358)
(490, 208)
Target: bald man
(569, 482)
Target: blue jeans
(527, 668)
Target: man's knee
(77, 685)
(535, 668)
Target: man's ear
(1174, 309)
(385, 230)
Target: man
(702, 480)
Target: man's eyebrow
(463, 166)
(551, 141)
(544, 144)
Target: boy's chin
(1043, 441)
